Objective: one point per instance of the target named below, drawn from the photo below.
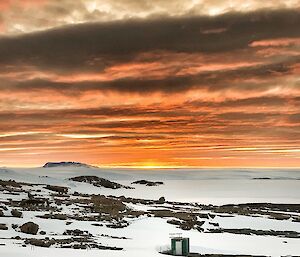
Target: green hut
(180, 246)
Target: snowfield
(148, 233)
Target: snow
(151, 234)
(147, 235)
(202, 186)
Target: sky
(150, 83)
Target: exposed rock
(75, 242)
(10, 183)
(114, 237)
(147, 183)
(161, 200)
(99, 182)
(3, 207)
(3, 227)
(134, 214)
(214, 224)
(39, 242)
(248, 231)
(35, 204)
(65, 164)
(97, 224)
(174, 222)
(56, 216)
(123, 224)
(254, 207)
(76, 232)
(1, 213)
(59, 189)
(103, 204)
(16, 213)
(29, 228)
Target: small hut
(180, 246)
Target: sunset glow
(150, 85)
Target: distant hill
(66, 164)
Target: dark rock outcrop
(99, 182)
(161, 200)
(10, 183)
(39, 242)
(16, 213)
(3, 227)
(30, 228)
(76, 232)
(148, 183)
(58, 189)
(248, 231)
(65, 164)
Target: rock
(59, 189)
(118, 225)
(29, 228)
(161, 200)
(66, 164)
(14, 226)
(10, 184)
(3, 207)
(97, 224)
(38, 202)
(60, 216)
(1, 213)
(16, 213)
(76, 232)
(174, 222)
(39, 242)
(248, 231)
(3, 227)
(147, 183)
(43, 232)
(103, 204)
(99, 182)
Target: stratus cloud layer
(191, 83)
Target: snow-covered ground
(147, 235)
(207, 186)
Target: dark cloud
(168, 117)
(212, 81)
(254, 117)
(295, 118)
(93, 46)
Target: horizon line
(135, 167)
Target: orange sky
(149, 83)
